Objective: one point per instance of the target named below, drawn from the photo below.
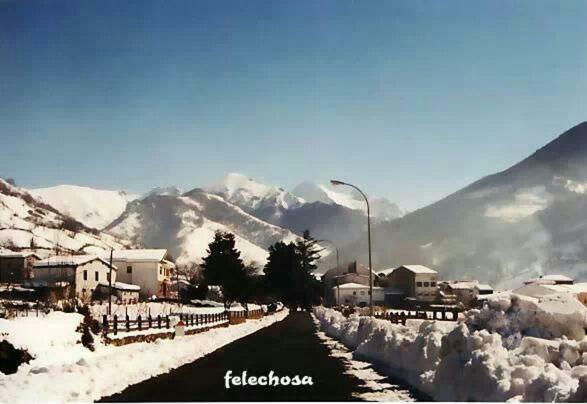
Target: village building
(412, 282)
(552, 279)
(124, 293)
(146, 268)
(465, 292)
(351, 273)
(356, 294)
(17, 267)
(61, 277)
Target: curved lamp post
(337, 266)
(335, 183)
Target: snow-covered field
(63, 370)
(515, 348)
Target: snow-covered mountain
(381, 208)
(335, 216)
(522, 222)
(265, 201)
(186, 224)
(95, 208)
(27, 223)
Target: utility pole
(110, 285)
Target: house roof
(419, 269)
(137, 255)
(463, 285)
(18, 254)
(483, 286)
(122, 286)
(550, 279)
(352, 285)
(69, 261)
(385, 272)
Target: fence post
(150, 321)
(167, 321)
(115, 324)
(159, 321)
(139, 322)
(127, 322)
(104, 323)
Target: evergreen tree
(224, 267)
(309, 252)
(289, 271)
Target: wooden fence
(115, 324)
(11, 310)
(403, 316)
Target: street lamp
(337, 266)
(335, 183)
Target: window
(85, 276)
(354, 293)
(419, 284)
(362, 293)
(129, 269)
(160, 271)
(433, 284)
(426, 284)
(96, 276)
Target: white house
(81, 273)
(146, 268)
(356, 294)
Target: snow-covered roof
(138, 255)
(483, 286)
(18, 254)
(550, 279)
(352, 285)
(464, 285)
(385, 272)
(122, 286)
(69, 261)
(419, 269)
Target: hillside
(30, 224)
(186, 224)
(95, 208)
(522, 222)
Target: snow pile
(455, 362)
(62, 371)
(50, 339)
(513, 316)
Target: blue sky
(410, 100)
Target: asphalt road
(287, 348)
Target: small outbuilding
(17, 267)
(356, 294)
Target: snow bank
(455, 362)
(84, 376)
(513, 316)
